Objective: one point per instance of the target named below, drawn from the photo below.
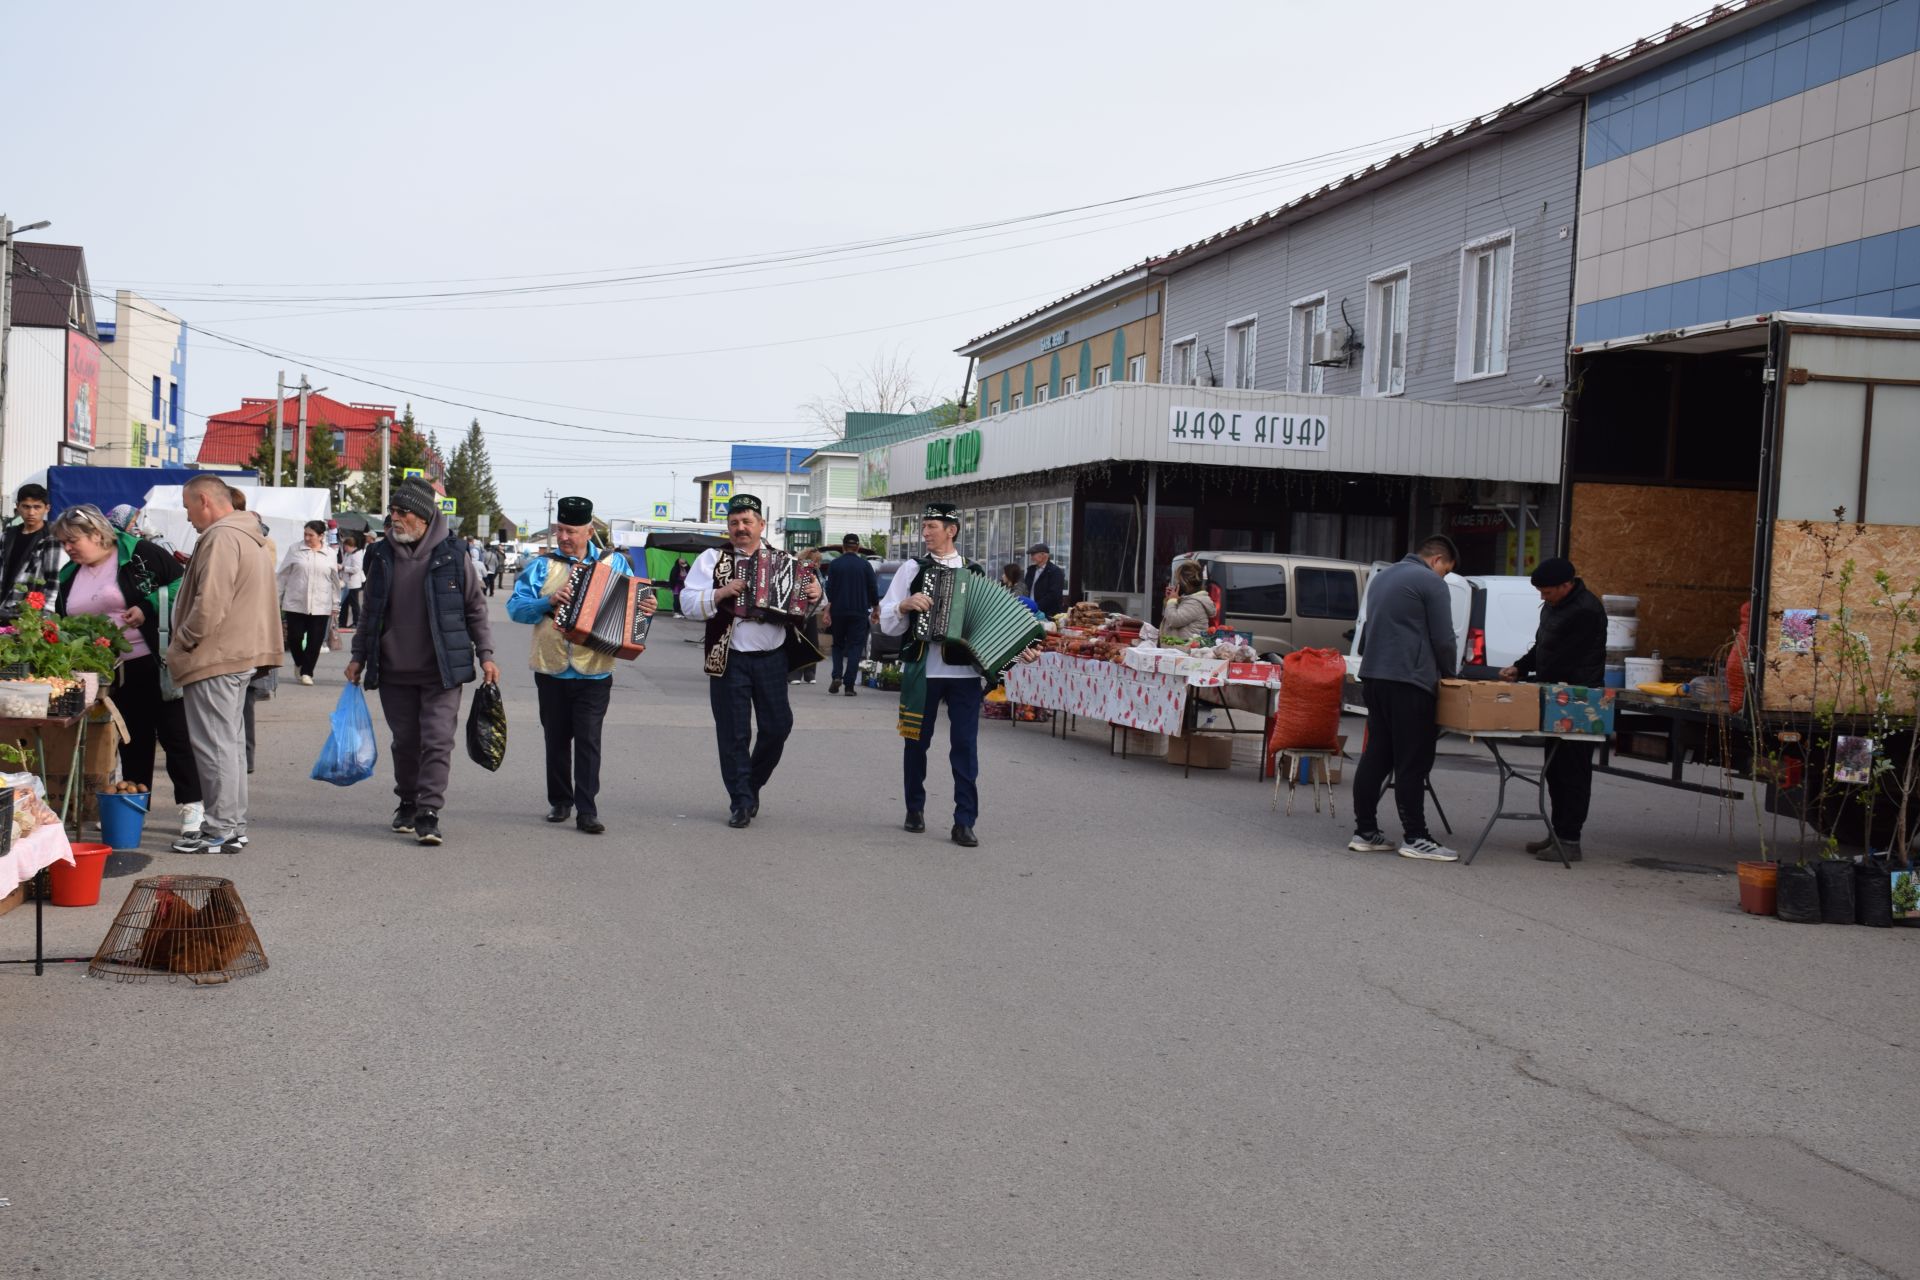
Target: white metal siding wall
(36, 395)
(1527, 180)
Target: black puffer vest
(446, 610)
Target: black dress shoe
(964, 837)
(916, 820)
(753, 810)
(558, 813)
(592, 826)
(739, 818)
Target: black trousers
(754, 687)
(571, 713)
(153, 720)
(1400, 740)
(306, 637)
(350, 607)
(1570, 787)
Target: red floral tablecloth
(1146, 690)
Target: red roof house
(232, 437)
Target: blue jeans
(755, 686)
(964, 698)
(849, 647)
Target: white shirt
(894, 623)
(354, 568)
(696, 602)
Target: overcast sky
(313, 155)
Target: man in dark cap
(574, 683)
(1046, 581)
(1570, 647)
(750, 650)
(424, 633)
(1408, 646)
(853, 592)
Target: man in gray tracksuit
(1406, 647)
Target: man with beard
(423, 633)
(752, 645)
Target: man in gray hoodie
(1406, 648)
(424, 633)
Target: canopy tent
(660, 549)
(110, 487)
(284, 509)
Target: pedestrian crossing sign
(660, 511)
(449, 506)
(719, 509)
(413, 473)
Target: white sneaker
(1371, 842)
(191, 816)
(1428, 851)
(306, 679)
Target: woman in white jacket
(353, 576)
(309, 584)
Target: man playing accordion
(574, 681)
(753, 599)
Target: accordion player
(602, 611)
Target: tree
(470, 481)
(409, 450)
(887, 383)
(325, 470)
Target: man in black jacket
(1046, 581)
(1570, 647)
(29, 559)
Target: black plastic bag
(487, 728)
(1835, 877)
(1799, 896)
(1873, 894)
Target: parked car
(883, 648)
(1287, 602)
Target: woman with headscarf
(1188, 610)
(114, 574)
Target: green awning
(802, 524)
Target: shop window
(1486, 292)
(1069, 384)
(1371, 538)
(1252, 590)
(1101, 375)
(1185, 369)
(1309, 320)
(1326, 593)
(1387, 333)
(1240, 348)
(1136, 369)
(1314, 533)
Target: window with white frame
(1240, 346)
(1486, 304)
(1386, 371)
(1309, 321)
(1102, 374)
(1069, 384)
(993, 409)
(1136, 369)
(799, 500)
(1019, 399)
(1186, 371)
(1041, 392)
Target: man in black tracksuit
(1569, 648)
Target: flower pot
(1758, 882)
(1835, 879)
(1873, 894)
(1797, 899)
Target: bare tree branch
(886, 383)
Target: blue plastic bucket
(123, 816)
(1616, 675)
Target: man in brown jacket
(226, 626)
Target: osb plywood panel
(1807, 563)
(1687, 553)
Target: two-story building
(775, 474)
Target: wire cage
(192, 927)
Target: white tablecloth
(31, 854)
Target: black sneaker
(403, 818)
(426, 827)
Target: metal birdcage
(192, 927)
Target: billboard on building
(874, 481)
(83, 388)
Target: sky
(599, 228)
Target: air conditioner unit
(1330, 346)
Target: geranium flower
(36, 599)
(103, 642)
(9, 631)
(51, 635)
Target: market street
(1151, 1027)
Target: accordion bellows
(603, 612)
(976, 621)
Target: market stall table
(33, 853)
(1493, 739)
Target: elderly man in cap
(752, 598)
(1046, 581)
(424, 633)
(1570, 647)
(853, 594)
(575, 683)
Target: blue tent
(108, 487)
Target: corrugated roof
(770, 457)
(50, 287)
(233, 436)
(897, 427)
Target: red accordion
(774, 584)
(603, 611)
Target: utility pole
(7, 232)
(300, 446)
(386, 471)
(550, 497)
(673, 495)
(279, 394)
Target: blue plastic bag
(350, 752)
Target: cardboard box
(1141, 743)
(1473, 705)
(1201, 751)
(1576, 708)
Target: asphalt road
(1150, 1028)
